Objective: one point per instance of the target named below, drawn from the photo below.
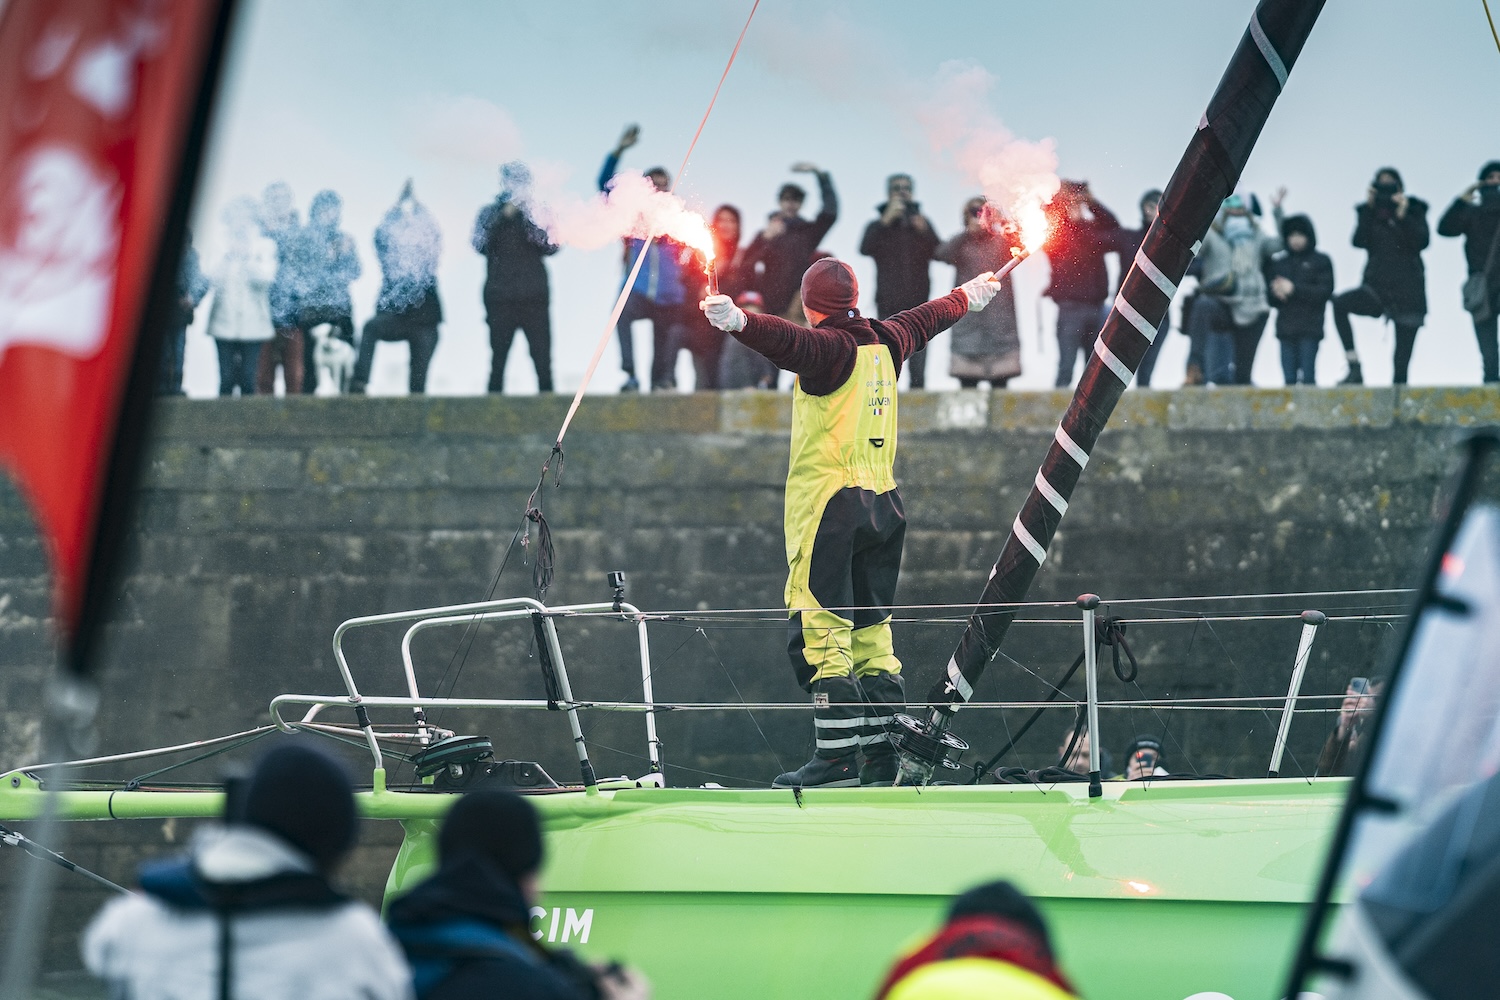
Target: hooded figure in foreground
(845, 525)
(994, 944)
(250, 913)
(467, 929)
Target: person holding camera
(1082, 231)
(902, 242)
(1475, 215)
(1392, 227)
(986, 345)
(1355, 712)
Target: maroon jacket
(823, 357)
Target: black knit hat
(829, 287)
(1001, 899)
(303, 796)
(1394, 173)
(1300, 224)
(497, 825)
(1492, 167)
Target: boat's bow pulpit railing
(549, 654)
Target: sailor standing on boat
(844, 521)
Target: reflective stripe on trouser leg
(838, 716)
(885, 695)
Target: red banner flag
(97, 99)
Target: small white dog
(333, 359)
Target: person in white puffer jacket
(240, 318)
(250, 914)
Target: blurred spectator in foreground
(466, 930)
(1082, 233)
(741, 367)
(1340, 749)
(986, 346)
(994, 944)
(240, 318)
(328, 265)
(781, 252)
(1475, 215)
(516, 291)
(250, 912)
(192, 285)
(705, 341)
(1301, 283)
(407, 245)
(279, 222)
(1231, 309)
(1144, 759)
(1125, 243)
(902, 242)
(1077, 760)
(1392, 227)
(657, 295)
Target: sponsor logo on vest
(574, 925)
(877, 404)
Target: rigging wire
(544, 561)
(1491, 19)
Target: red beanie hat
(829, 287)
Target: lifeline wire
(1491, 19)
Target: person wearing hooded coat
(1231, 310)
(1392, 227)
(467, 929)
(1300, 279)
(994, 944)
(250, 913)
(1475, 215)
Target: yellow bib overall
(844, 524)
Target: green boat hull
(1155, 891)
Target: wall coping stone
(752, 412)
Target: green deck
(1154, 891)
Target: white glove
(724, 314)
(980, 290)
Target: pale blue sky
(358, 96)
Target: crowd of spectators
(281, 286)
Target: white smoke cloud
(633, 207)
(474, 130)
(463, 128)
(1017, 175)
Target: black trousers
(1363, 301)
(533, 318)
(422, 335)
(1485, 332)
(851, 576)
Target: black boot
(838, 715)
(1355, 376)
(885, 695)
